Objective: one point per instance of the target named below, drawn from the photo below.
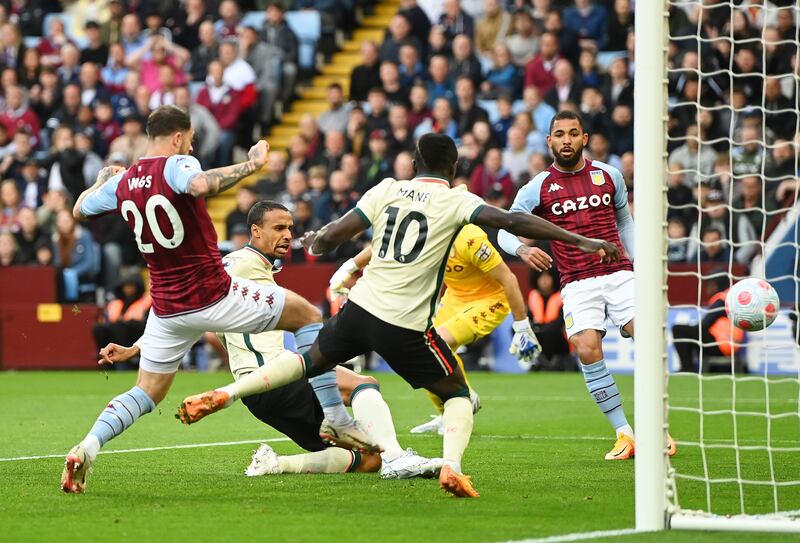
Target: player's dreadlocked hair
(167, 120)
(256, 213)
(436, 153)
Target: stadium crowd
(77, 89)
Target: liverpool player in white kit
(390, 308)
(589, 198)
(162, 197)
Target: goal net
(730, 195)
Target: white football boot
(431, 427)
(409, 465)
(265, 462)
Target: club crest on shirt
(597, 177)
(568, 321)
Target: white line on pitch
(578, 536)
(148, 449)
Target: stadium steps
(312, 98)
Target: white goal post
(658, 479)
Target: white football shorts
(588, 302)
(248, 307)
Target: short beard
(568, 163)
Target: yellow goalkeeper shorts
(469, 321)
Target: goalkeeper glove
(524, 345)
(341, 276)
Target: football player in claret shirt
(390, 309)
(589, 198)
(162, 198)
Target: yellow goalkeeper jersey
(471, 257)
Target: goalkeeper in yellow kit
(481, 292)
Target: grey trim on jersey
(622, 211)
(528, 199)
(103, 199)
(625, 228)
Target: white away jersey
(414, 224)
(246, 352)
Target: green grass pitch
(536, 456)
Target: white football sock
(331, 460)
(457, 423)
(370, 409)
(281, 370)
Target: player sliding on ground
(480, 291)
(590, 198)
(162, 197)
(415, 223)
(293, 409)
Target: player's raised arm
(333, 234)
(101, 196)
(217, 180)
(531, 226)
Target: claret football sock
(603, 388)
(118, 415)
(371, 411)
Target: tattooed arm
(219, 179)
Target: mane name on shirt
(414, 195)
(142, 182)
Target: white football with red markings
(752, 304)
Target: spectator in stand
(29, 237)
(8, 250)
(419, 111)
(278, 34)
(468, 111)
(469, 154)
(298, 151)
(441, 122)
(185, 25)
(440, 84)
(125, 316)
(600, 149)
(50, 45)
(335, 118)
(403, 166)
(303, 215)
(53, 201)
(206, 51)
(337, 200)
(567, 40)
(206, 129)
(539, 71)
(401, 139)
(31, 69)
(515, 156)
(317, 184)
(677, 244)
(411, 69)
(537, 163)
(274, 181)
(492, 28)
(18, 115)
(747, 155)
(92, 88)
(524, 42)
(265, 61)
(225, 105)
(455, 20)
(781, 114)
(310, 132)
(351, 167)
(334, 149)
(96, 51)
(115, 71)
(620, 21)
(503, 78)
(589, 23)
(567, 87)
(32, 183)
(752, 204)
(397, 35)
(747, 74)
(123, 102)
(714, 246)
(92, 163)
(13, 49)
(781, 164)
(10, 200)
(76, 255)
(21, 151)
(296, 187)
(158, 52)
(438, 44)
(483, 135)
(697, 160)
(593, 111)
(133, 39)
(589, 72)
(378, 118)
(111, 30)
(534, 139)
(132, 144)
(465, 62)
(229, 18)
(65, 163)
(356, 132)
(621, 130)
(545, 305)
(420, 24)
(618, 88)
(375, 167)
(366, 75)
(246, 197)
(392, 84)
(492, 175)
(541, 112)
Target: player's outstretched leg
(332, 460)
(371, 411)
(120, 413)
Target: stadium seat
(605, 58)
(31, 42)
(254, 19)
(307, 26)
